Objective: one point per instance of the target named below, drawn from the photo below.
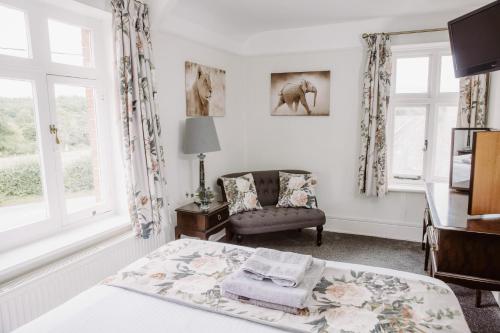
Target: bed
(176, 289)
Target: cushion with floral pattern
(297, 190)
(241, 194)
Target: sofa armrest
(221, 185)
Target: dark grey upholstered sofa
(272, 218)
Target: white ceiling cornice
(204, 21)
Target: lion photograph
(205, 90)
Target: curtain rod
(410, 32)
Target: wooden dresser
(462, 249)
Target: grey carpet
(381, 252)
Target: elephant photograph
(205, 90)
(300, 93)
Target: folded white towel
(279, 307)
(238, 283)
(286, 269)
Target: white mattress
(109, 309)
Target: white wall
(170, 53)
(326, 146)
(253, 140)
(494, 101)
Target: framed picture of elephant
(205, 90)
(300, 93)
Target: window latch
(53, 130)
(426, 145)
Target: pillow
(241, 194)
(297, 190)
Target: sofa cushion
(272, 218)
(241, 194)
(297, 190)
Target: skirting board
(374, 228)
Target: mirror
(461, 157)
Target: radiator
(33, 294)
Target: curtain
(473, 104)
(140, 122)
(372, 174)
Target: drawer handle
(219, 217)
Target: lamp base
(205, 195)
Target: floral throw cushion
(241, 194)
(297, 190)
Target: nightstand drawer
(194, 222)
(218, 217)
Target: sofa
(272, 218)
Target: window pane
(412, 75)
(409, 136)
(446, 120)
(21, 186)
(448, 82)
(13, 36)
(76, 118)
(70, 44)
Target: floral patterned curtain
(140, 122)
(473, 104)
(372, 175)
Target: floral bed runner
(189, 272)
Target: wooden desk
(463, 250)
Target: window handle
(53, 130)
(426, 145)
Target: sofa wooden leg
(239, 238)
(478, 298)
(229, 234)
(319, 236)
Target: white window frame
(432, 100)
(104, 148)
(43, 73)
(8, 4)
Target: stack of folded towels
(274, 279)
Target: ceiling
(241, 19)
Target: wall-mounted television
(475, 41)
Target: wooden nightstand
(192, 221)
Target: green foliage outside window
(20, 178)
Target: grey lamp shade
(200, 136)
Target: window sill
(23, 259)
(408, 188)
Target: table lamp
(200, 137)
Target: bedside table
(192, 221)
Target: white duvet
(110, 309)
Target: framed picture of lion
(205, 90)
(300, 93)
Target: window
(422, 112)
(15, 42)
(56, 133)
(412, 75)
(69, 44)
(21, 181)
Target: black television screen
(475, 41)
